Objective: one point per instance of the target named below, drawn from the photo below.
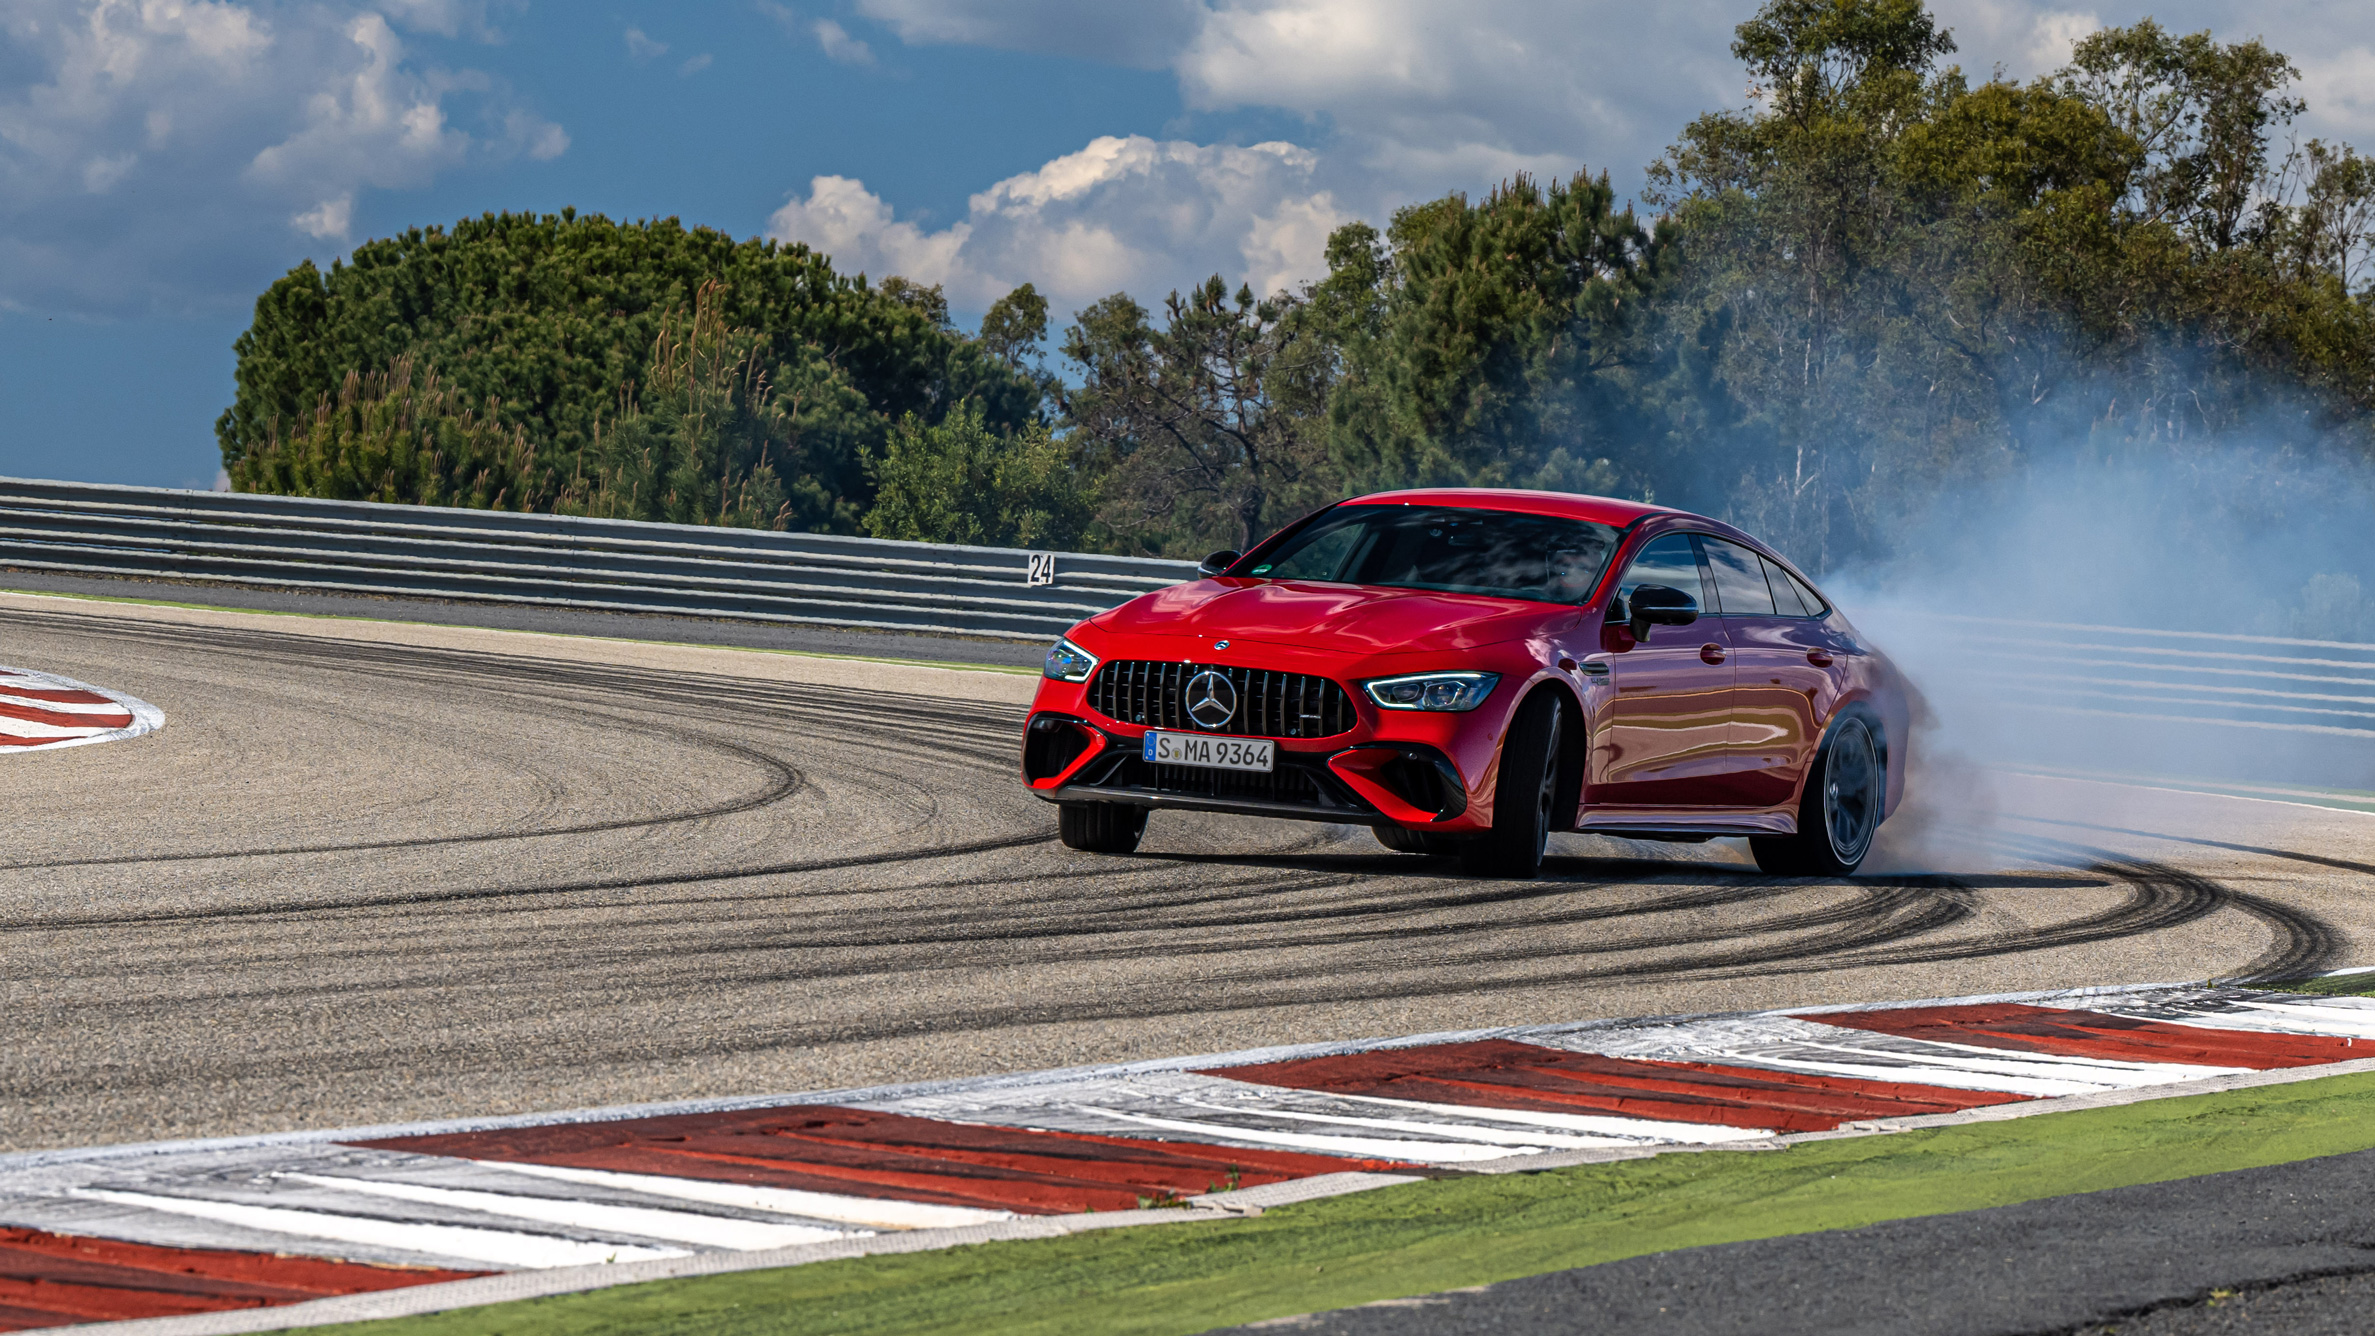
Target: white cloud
(839, 45)
(2333, 45)
(1407, 99)
(1133, 214)
(1411, 97)
(695, 65)
(2340, 88)
(641, 48)
(174, 154)
(329, 220)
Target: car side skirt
(1650, 823)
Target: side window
(1739, 579)
(1815, 607)
(1785, 593)
(1668, 561)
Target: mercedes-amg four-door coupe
(1466, 671)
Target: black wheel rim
(1851, 791)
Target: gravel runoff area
(2289, 1248)
(374, 871)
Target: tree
(1506, 335)
(707, 439)
(554, 320)
(959, 481)
(400, 437)
(1013, 327)
(929, 302)
(1906, 284)
(1208, 429)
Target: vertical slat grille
(1269, 704)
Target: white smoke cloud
(239, 128)
(1123, 214)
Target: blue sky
(161, 161)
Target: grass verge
(2332, 985)
(1464, 1231)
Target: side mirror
(1661, 605)
(1218, 562)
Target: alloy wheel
(1851, 791)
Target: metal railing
(2275, 684)
(559, 561)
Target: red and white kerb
(39, 710)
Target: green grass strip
(2337, 985)
(1463, 1231)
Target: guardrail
(2274, 684)
(561, 561)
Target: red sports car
(1466, 671)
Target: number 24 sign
(1040, 568)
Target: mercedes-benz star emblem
(1211, 699)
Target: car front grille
(1266, 704)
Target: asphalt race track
(372, 873)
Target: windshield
(1453, 551)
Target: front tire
(1524, 795)
(1840, 811)
(1100, 828)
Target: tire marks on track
(691, 938)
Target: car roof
(1566, 505)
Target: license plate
(1209, 752)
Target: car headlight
(1453, 693)
(1067, 662)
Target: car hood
(1352, 619)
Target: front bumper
(1068, 758)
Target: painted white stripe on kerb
(27, 728)
(146, 718)
(58, 706)
(487, 1247)
(869, 1212)
(2113, 1073)
(2277, 1018)
(702, 1231)
(1946, 1078)
(1416, 1152)
(1450, 1133)
(1628, 1131)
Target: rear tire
(1403, 840)
(1524, 795)
(1100, 828)
(1840, 811)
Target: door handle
(1820, 658)
(1711, 653)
